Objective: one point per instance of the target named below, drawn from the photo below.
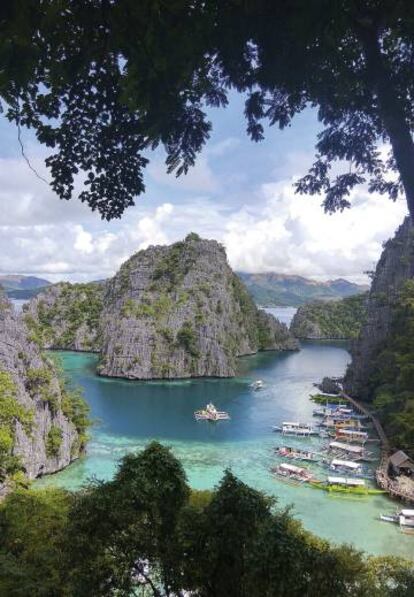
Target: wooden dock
(381, 474)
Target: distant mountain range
(22, 287)
(269, 290)
(282, 290)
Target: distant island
(330, 320)
(22, 287)
(282, 290)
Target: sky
(239, 193)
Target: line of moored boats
(344, 455)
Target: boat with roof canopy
(296, 454)
(291, 472)
(210, 413)
(345, 485)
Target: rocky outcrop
(394, 268)
(330, 320)
(66, 316)
(39, 429)
(179, 311)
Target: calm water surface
(129, 414)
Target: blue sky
(239, 193)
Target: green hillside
(274, 290)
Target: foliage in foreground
(144, 73)
(146, 525)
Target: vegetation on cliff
(43, 421)
(66, 316)
(391, 383)
(180, 311)
(340, 319)
(162, 538)
(10, 413)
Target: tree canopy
(102, 82)
(146, 533)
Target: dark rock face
(66, 316)
(37, 390)
(395, 267)
(330, 386)
(179, 311)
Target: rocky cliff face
(38, 434)
(66, 316)
(394, 268)
(330, 320)
(179, 311)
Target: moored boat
(348, 466)
(296, 428)
(210, 413)
(296, 454)
(404, 518)
(351, 435)
(345, 485)
(292, 472)
(355, 452)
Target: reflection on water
(132, 413)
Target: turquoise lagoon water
(130, 414)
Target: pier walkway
(382, 477)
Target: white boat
(355, 452)
(257, 385)
(404, 518)
(348, 466)
(292, 472)
(296, 428)
(210, 413)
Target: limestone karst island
(206, 299)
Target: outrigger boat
(329, 410)
(345, 485)
(355, 452)
(296, 454)
(292, 473)
(351, 435)
(336, 423)
(257, 385)
(348, 466)
(404, 518)
(210, 413)
(295, 428)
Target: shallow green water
(129, 414)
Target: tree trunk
(391, 112)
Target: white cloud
(275, 230)
(294, 235)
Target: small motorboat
(257, 385)
(210, 413)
